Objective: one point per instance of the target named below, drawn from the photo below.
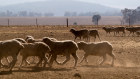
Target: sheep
(94, 33)
(30, 39)
(132, 29)
(80, 33)
(138, 33)
(96, 49)
(64, 48)
(35, 49)
(21, 40)
(119, 29)
(108, 30)
(10, 48)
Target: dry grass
(126, 49)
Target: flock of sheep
(47, 49)
(116, 30)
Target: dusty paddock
(126, 50)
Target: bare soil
(126, 50)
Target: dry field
(126, 50)
(81, 20)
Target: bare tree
(96, 18)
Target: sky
(111, 3)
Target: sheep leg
(32, 61)
(129, 33)
(75, 57)
(113, 58)
(52, 60)
(86, 60)
(0, 62)
(99, 37)
(84, 57)
(40, 60)
(27, 62)
(7, 60)
(75, 38)
(104, 58)
(94, 38)
(23, 60)
(45, 60)
(13, 62)
(67, 59)
(57, 61)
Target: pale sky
(112, 3)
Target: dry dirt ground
(126, 50)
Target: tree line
(131, 16)
(24, 14)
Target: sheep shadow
(5, 72)
(39, 69)
(34, 69)
(97, 66)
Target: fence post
(36, 22)
(67, 22)
(8, 22)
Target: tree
(131, 16)
(96, 18)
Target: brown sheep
(132, 29)
(80, 33)
(117, 30)
(94, 33)
(108, 30)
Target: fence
(80, 20)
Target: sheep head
(47, 40)
(72, 30)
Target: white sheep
(21, 40)
(10, 48)
(61, 48)
(35, 49)
(30, 39)
(96, 49)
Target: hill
(59, 7)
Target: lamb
(10, 48)
(80, 33)
(64, 48)
(96, 49)
(35, 49)
(94, 33)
